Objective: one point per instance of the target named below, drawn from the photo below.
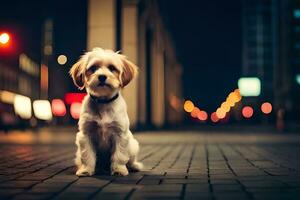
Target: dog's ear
(76, 73)
(130, 70)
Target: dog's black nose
(102, 78)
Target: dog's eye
(112, 68)
(92, 69)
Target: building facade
(271, 52)
(293, 56)
(135, 27)
(259, 43)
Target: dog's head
(103, 72)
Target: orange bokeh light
(202, 115)
(195, 112)
(266, 108)
(225, 106)
(221, 113)
(188, 106)
(247, 111)
(238, 95)
(213, 117)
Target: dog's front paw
(136, 166)
(119, 170)
(85, 171)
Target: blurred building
(258, 43)
(289, 25)
(271, 36)
(20, 80)
(135, 27)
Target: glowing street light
(247, 111)
(42, 109)
(221, 113)
(202, 115)
(188, 106)
(4, 38)
(249, 86)
(62, 59)
(195, 112)
(22, 106)
(214, 118)
(266, 108)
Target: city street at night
(150, 100)
(178, 165)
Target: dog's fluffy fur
(104, 127)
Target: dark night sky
(207, 36)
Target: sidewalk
(184, 165)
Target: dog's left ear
(130, 70)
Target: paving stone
(231, 196)
(7, 193)
(197, 188)
(32, 196)
(18, 184)
(149, 182)
(155, 195)
(225, 188)
(110, 196)
(263, 184)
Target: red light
(214, 118)
(202, 115)
(75, 110)
(247, 111)
(74, 98)
(58, 107)
(266, 108)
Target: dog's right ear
(76, 73)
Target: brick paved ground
(185, 165)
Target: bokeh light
(266, 107)
(188, 106)
(195, 112)
(7, 97)
(225, 106)
(247, 111)
(75, 110)
(249, 86)
(4, 38)
(22, 106)
(62, 59)
(213, 117)
(202, 115)
(58, 107)
(42, 109)
(298, 79)
(74, 97)
(221, 113)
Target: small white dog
(103, 123)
